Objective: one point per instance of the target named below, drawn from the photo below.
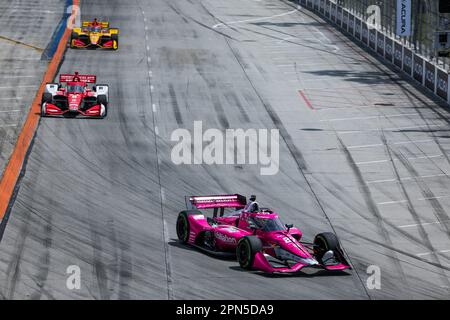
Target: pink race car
(255, 236)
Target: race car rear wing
(103, 24)
(217, 201)
(88, 78)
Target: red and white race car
(75, 97)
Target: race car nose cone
(94, 38)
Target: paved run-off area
(26, 30)
(363, 152)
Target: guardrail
(417, 67)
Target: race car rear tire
(183, 227)
(246, 250)
(324, 242)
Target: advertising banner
(327, 9)
(333, 12)
(407, 61)
(358, 29)
(351, 24)
(442, 84)
(430, 76)
(345, 20)
(364, 33)
(373, 39)
(418, 69)
(398, 55)
(389, 49)
(403, 18)
(380, 44)
(339, 16)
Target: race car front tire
(73, 37)
(103, 111)
(115, 38)
(324, 242)
(46, 98)
(246, 250)
(183, 227)
(43, 109)
(102, 99)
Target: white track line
(255, 19)
(428, 253)
(406, 179)
(419, 224)
(388, 160)
(15, 87)
(403, 201)
(13, 77)
(390, 129)
(394, 143)
(8, 111)
(371, 117)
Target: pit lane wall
(422, 71)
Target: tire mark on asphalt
(293, 150)
(373, 209)
(175, 106)
(200, 23)
(220, 111)
(216, 18)
(98, 265)
(412, 210)
(13, 270)
(44, 261)
(234, 100)
(439, 211)
(125, 266)
(396, 250)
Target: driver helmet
(253, 207)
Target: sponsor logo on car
(224, 238)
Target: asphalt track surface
(363, 153)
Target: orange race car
(95, 34)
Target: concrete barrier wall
(424, 72)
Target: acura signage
(404, 18)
